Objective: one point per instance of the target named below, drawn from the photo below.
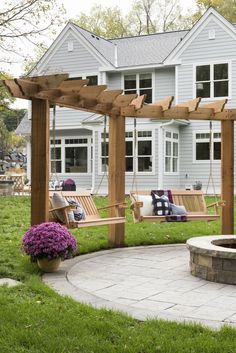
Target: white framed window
(212, 80)
(71, 155)
(171, 152)
(203, 151)
(138, 159)
(93, 79)
(55, 156)
(141, 83)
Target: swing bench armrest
(117, 205)
(136, 204)
(216, 205)
(61, 208)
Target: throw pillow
(161, 205)
(79, 213)
(147, 208)
(177, 209)
(60, 201)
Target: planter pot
(49, 265)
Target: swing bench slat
(93, 217)
(192, 200)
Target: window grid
(139, 83)
(209, 84)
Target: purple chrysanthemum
(50, 240)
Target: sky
(74, 8)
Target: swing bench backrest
(192, 200)
(93, 217)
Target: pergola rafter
(45, 91)
(76, 94)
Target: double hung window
(140, 84)
(137, 158)
(212, 80)
(171, 152)
(207, 148)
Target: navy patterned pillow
(161, 205)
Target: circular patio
(146, 282)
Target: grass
(34, 319)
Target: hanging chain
(134, 182)
(211, 151)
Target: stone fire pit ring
(213, 258)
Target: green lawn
(34, 319)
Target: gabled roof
(24, 128)
(103, 46)
(135, 51)
(210, 13)
(147, 49)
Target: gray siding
(164, 83)
(74, 62)
(69, 118)
(202, 48)
(191, 171)
(114, 81)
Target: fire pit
(213, 258)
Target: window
(212, 80)
(93, 80)
(140, 84)
(138, 159)
(203, 148)
(55, 151)
(76, 155)
(171, 152)
(71, 155)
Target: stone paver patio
(146, 282)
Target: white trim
(176, 85)
(192, 34)
(160, 171)
(171, 139)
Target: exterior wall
(191, 171)
(164, 85)
(203, 51)
(75, 62)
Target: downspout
(93, 164)
(116, 55)
(161, 153)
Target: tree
(106, 22)
(225, 8)
(25, 20)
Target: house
(200, 62)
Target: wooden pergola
(45, 91)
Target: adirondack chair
(192, 200)
(93, 217)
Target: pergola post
(40, 161)
(116, 182)
(227, 176)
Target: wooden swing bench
(192, 200)
(93, 217)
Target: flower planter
(49, 265)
